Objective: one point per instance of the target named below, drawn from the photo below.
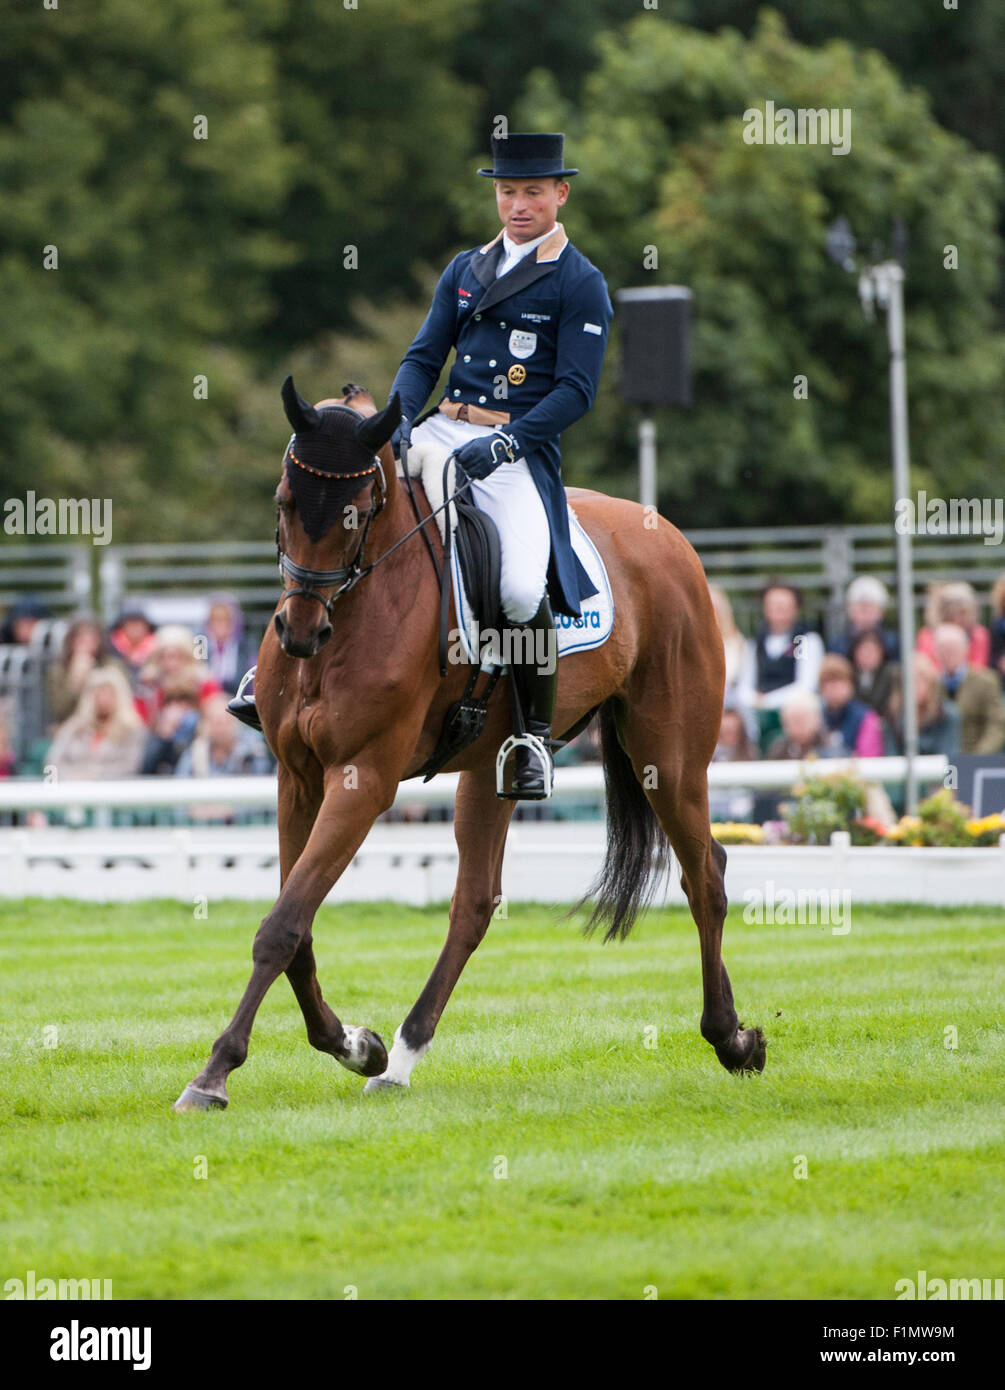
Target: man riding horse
(528, 316)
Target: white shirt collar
(514, 252)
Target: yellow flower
(738, 833)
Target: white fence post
(17, 864)
(179, 864)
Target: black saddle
(479, 557)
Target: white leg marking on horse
(400, 1062)
(357, 1046)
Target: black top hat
(527, 157)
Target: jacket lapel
(485, 263)
(531, 268)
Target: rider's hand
(402, 435)
(482, 456)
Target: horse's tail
(637, 858)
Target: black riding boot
(535, 688)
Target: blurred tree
(381, 131)
(331, 128)
(659, 135)
(502, 43)
(957, 54)
(163, 239)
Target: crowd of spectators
(141, 699)
(138, 699)
(791, 696)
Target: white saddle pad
(592, 629)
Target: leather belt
(473, 414)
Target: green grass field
(626, 1166)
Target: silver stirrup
(246, 679)
(539, 750)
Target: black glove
(484, 455)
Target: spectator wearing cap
(954, 603)
(104, 736)
(23, 616)
(875, 676)
(866, 602)
(853, 729)
(133, 637)
(975, 691)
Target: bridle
(346, 578)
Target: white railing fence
(570, 783)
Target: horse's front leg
(481, 821)
(283, 943)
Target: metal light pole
(883, 284)
(888, 281)
(647, 463)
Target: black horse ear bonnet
(331, 456)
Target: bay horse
(351, 700)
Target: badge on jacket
(521, 343)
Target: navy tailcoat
(532, 343)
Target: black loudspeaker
(655, 345)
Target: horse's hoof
(755, 1044)
(365, 1052)
(746, 1051)
(383, 1083)
(191, 1099)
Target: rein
(349, 575)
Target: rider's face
(529, 207)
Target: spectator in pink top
(172, 663)
(853, 729)
(133, 638)
(954, 603)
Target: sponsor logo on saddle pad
(587, 620)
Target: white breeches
(510, 497)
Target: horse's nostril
(323, 636)
(280, 624)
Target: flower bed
(824, 804)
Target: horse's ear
(301, 414)
(377, 429)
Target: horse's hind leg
(680, 800)
(352, 1046)
(481, 821)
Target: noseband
(341, 580)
